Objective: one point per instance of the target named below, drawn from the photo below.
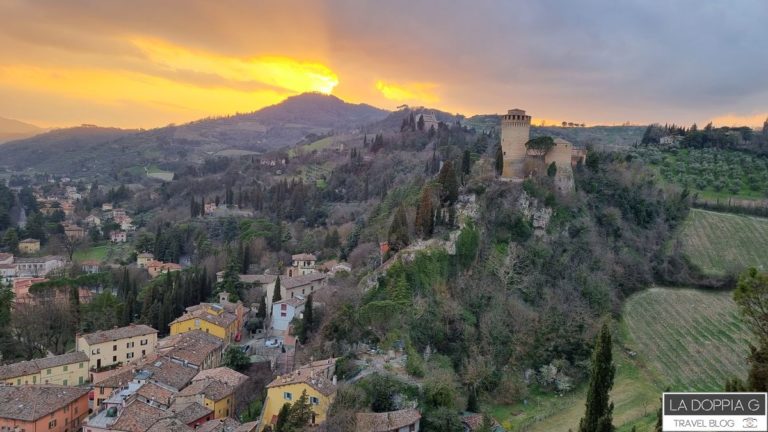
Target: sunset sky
(149, 63)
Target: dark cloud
(591, 61)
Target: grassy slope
(718, 242)
(685, 323)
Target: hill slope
(722, 242)
(106, 151)
(13, 129)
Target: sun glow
(417, 92)
(282, 72)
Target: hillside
(13, 129)
(106, 151)
(721, 242)
(657, 349)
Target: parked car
(272, 343)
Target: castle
(519, 162)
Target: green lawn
(683, 338)
(92, 253)
(721, 242)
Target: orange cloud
(283, 72)
(110, 87)
(413, 92)
(740, 120)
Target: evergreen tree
(276, 296)
(398, 232)
(281, 425)
(262, 312)
(308, 320)
(599, 410)
(425, 214)
(552, 170)
(499, 165)
(466, 163)
(420, 123)
(472, 405)
(246, 259)
(449, 185)
(300, 413)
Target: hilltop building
(223, 320)
(66, 369)
(520, 163)
(317, 379)
(111, 348)
(301, 264)
(29, 246)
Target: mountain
(108, 151)
(13, 129)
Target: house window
(197, 323)
(287, 396)
(79, 382)
(314, 401)
(96, 351)
(81, 365)
(129, 355)
(48, 372)
(114, 359)
(34, 380)
(66, 367)
(144, 342)
(114, 347)
(143, 353)
(52, 424)
(65, 382)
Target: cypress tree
(472, 405)
(425, 222)
(262, 312)
(282, 418)
(449, 185)
(466, 162)
(307, 322)
(499, 161)
(599, 410)
(398, 232)
(276, 296)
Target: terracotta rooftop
(386, 421)
(30, 240)
(294, 282)
(170, 424)
(193, 347)
(170, 373)
(29, 403)
(259, 279)
(303, 257)
(293, 301)
(210, 388)
(306, 376)
(152, 391)
(191, 412)
(33, 366)
(129, 331)
(203, 312)
(138, 417)
(224, 374)
(117, 380)
(4, 256)
(226, 424)
(60, 360)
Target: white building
(284, 311)
(118, 236)
(36, 267)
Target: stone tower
(515, 132)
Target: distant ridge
(13, 129)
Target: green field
(97, 253)
(684, 339)
(721, 242)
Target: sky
(148, 63)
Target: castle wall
(515, 132)
(561, 155)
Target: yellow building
(29, 246)
(210, 393)
(223, 320)
(68, 370)
(312, 379)
(110, 348)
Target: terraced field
(694, 340)
(684, 339)
(721, 242)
